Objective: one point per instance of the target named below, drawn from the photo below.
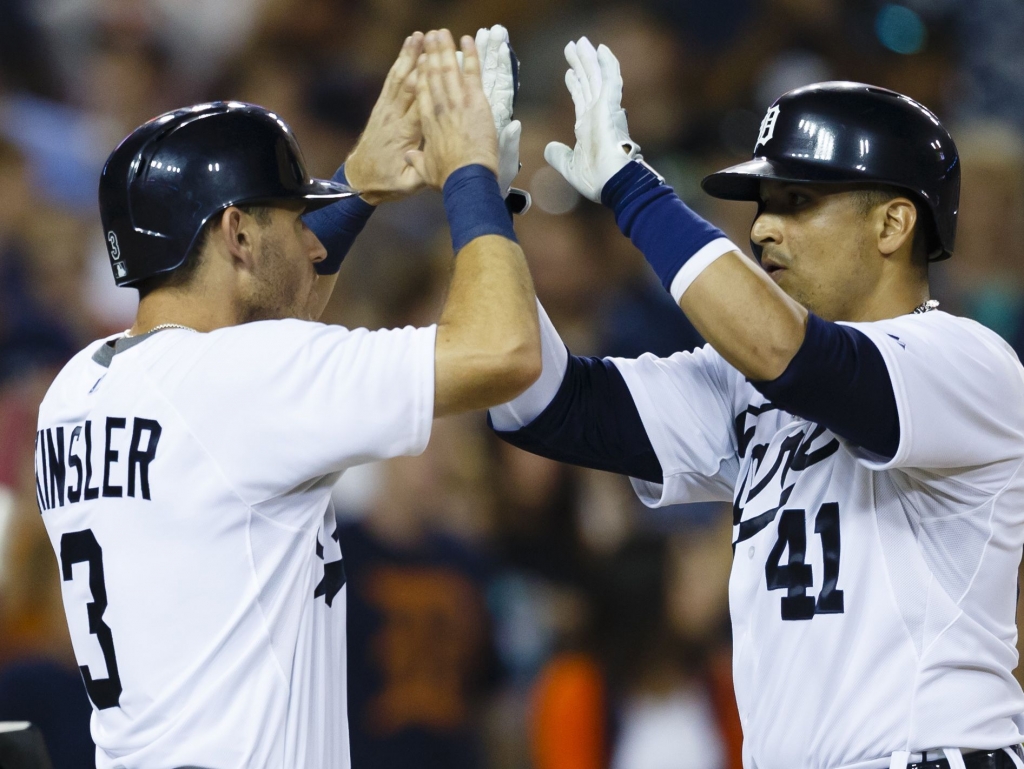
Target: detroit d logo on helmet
(767, 127)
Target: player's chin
(319, 296)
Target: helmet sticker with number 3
(115, 251)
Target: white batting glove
(499, 88)
(603, 145)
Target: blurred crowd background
(506, 612)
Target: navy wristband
(473, 203)
(650, 214)
(338, 225)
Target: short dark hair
(185, 272)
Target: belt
(977, 759)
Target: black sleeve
(839, 379)
(592, 422)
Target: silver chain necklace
(128, 333)
(926, 306)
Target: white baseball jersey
(873, 602)
(185, 482)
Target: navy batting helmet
(171, 175)
(844, 132)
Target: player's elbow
(523, 365)
(512, 366)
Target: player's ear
(896, 223)
(237, 234)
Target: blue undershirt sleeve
(839, 379)
(338, 225)
(592, 422)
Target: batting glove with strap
(603, 145)
(499, 71)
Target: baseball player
(872, 446)
(184, 468)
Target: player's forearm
(747, 318)
(750, 321)
(488, 340)
(337, 226)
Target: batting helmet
(851, 132)
(171, 175)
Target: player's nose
(317, 251)
(765, 229)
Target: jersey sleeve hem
(425, 396)
(672, 490)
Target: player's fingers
(482, 40)
(404, 64)
(591, 67)
(406, 96)
(424, 96)
(579, 103)
(471, 68)
(505, 67)
(495, 37)
(611, 76)
(417, 159)
(559, 157)
(432, 68)
(572, 56)
(450, 74)
(510, 136)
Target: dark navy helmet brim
(743, 180)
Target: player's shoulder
(81, 368)
(940, 334)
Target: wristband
(676, 242)
(473, 203)
(337, 226)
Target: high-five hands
(499, 82)
(458, 129)
(603, 145)
(377, 167)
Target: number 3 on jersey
(796, 576)
(82, 547)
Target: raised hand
(458, 129)
(603, 145)
(377, 167)
(499, 83)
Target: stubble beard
(276, 287)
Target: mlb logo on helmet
(767, 127)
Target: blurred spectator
(419, 651)
(649, 686)
(986, 274)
